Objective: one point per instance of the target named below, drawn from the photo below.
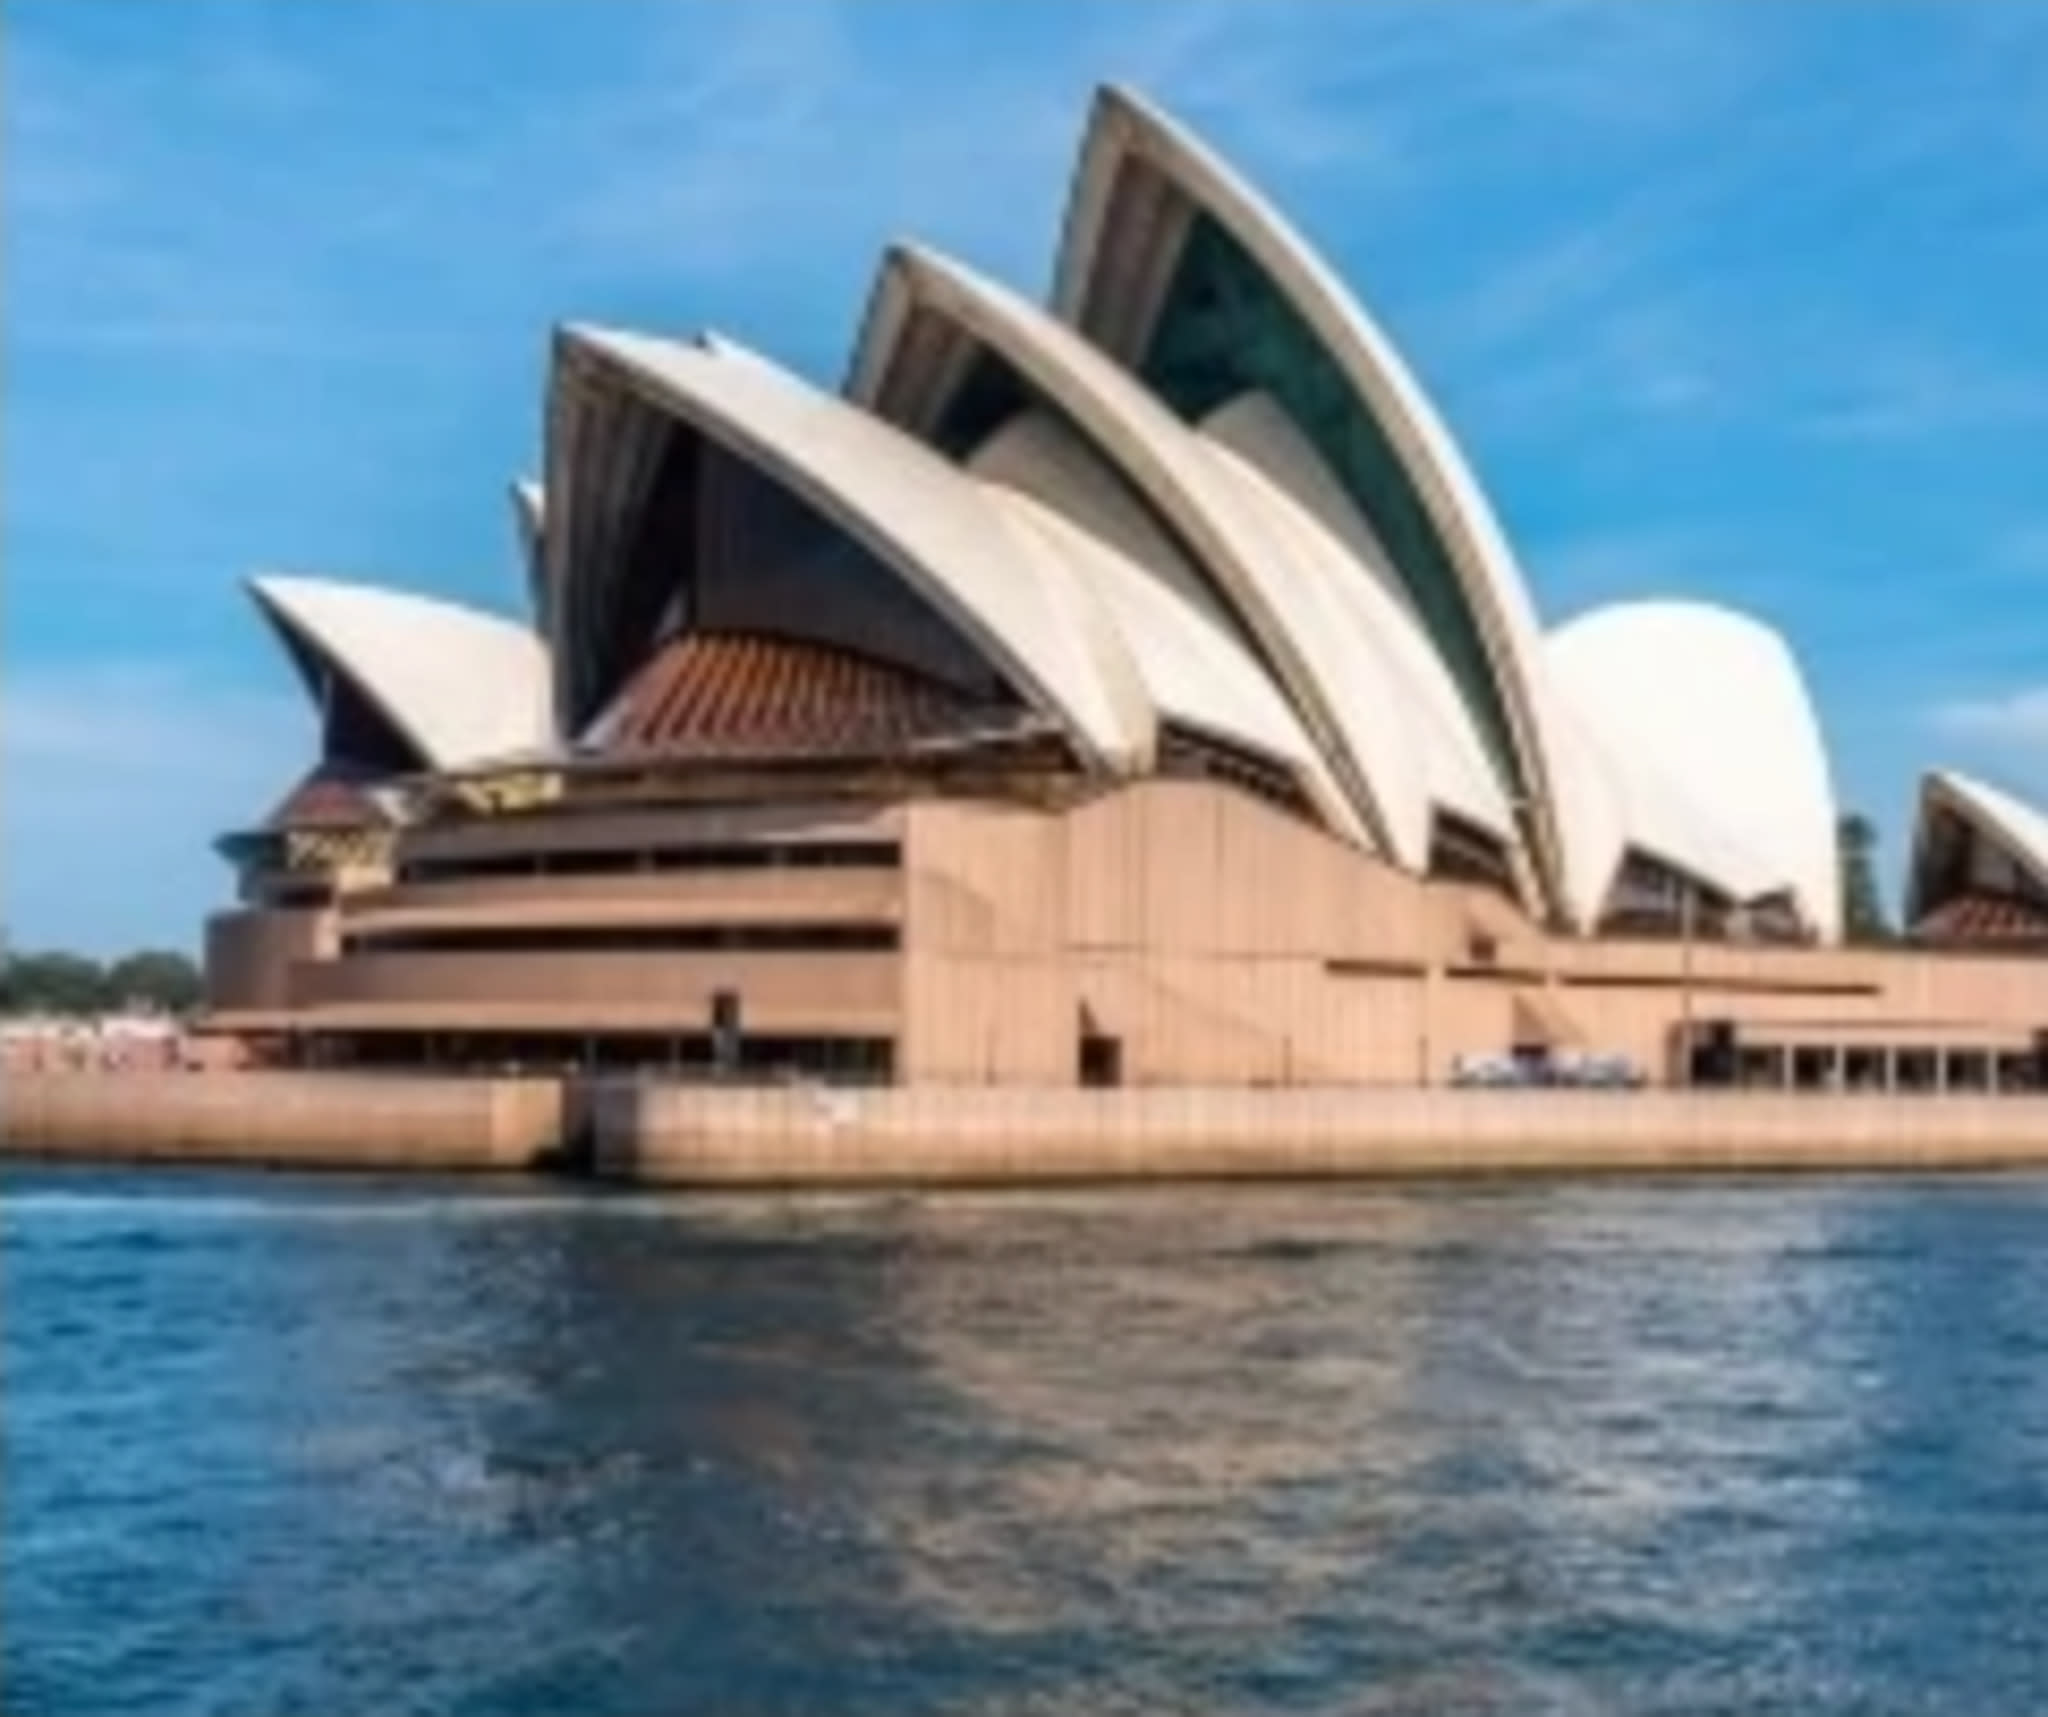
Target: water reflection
(276, 1445)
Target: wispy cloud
(2023, 549)
(2018, 719)
(170, 207)
(1904, 392)
(708, 150)
(116, 773)
(142, 751)
(1675, 278)
(1589, 568)
(789, 140)
(1268, 78)
(2005, 735)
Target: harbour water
(281, 1445)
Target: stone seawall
(693, 1136)
(686, 1135)
(306, 1120)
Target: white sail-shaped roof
(1251, 431)
(2012, 836)
(1713, 745)
(1142, 185)
(911, 510)
(1288, 582)
(460, 685)
(2022, 827)
(529, 518)
(1195, 668)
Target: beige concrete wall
(1461, 916)
(1193, 923)
(985, 878)
(1219, 939)
(688, 1136)
(1225, 942)
(324, 1120)
(560, 830)
(987, 1020)
(988, 997)
(251, 954)
(1964, 986)
(1232, 1019)
(1887, 981)
(1856, 989)
(1191, 868)
(784, 992)
(679, 898)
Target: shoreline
(624, 1130)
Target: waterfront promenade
(654, 1132)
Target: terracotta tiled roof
(1985, 918)
(729, 695)
(329, 798)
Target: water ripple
(281, 1445)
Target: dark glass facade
(356, 736)
(707, 541)
(1225, 329)
(615, 626)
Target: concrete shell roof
(2016, 828)
(463, 686)
(1251, 434)
(529, 518)
(1715, 753)
(1564, 792)
(1194, 667)
(1288, 582)
(914, 512)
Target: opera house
(1134, 688)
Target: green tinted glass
(1225, 329)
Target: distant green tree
(56, 981)
(52, 982)
(1864, 918)
(160, 978)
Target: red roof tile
(726, 695)
(328, 799)
(1985, 918)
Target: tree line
(56, 981)
(1864, 918)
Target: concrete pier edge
(648, 1132)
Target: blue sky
(1743, 301)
